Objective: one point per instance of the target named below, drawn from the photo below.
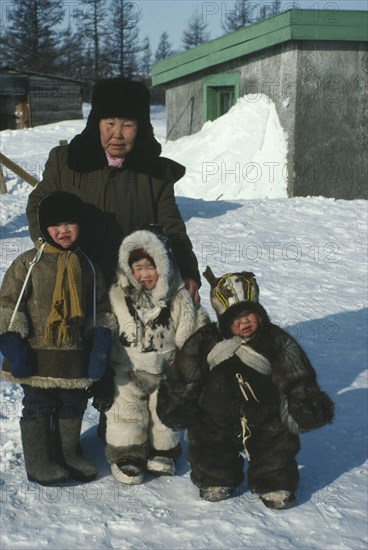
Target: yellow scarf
(66, 297)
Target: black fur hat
(122, 98)
(58, 207)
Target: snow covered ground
(310, 259)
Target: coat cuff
(20, 323)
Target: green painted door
(219, 100)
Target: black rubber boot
(71, 458)
(38, 456)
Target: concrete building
(313, 64)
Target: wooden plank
(18, 170)
(3, 188)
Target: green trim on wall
(291, 25)
(212, 87)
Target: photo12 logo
(270, 251)
(324, 12)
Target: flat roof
(295, 24)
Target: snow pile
(240, 155)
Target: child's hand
(177, 407)
(145, 381)
(102, 404)
(192, 288)
(310, 407)
(18, 353)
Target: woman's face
(118, 135)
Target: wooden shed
(313, 65)
(30, 99)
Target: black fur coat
(290, 392)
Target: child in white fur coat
(155, 315)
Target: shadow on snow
(337, 347)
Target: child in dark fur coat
(243, 384)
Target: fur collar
(85, 153)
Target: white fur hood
(156, 245)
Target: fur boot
(279, 500)
(38, 456)
(70, 450)
(215, 494)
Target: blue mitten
(100, 352)
(17, 351)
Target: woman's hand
(192, 288)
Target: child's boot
(161, 465)
(129, 473)
(70, 450)
(163, 462)
(280, 500)
(37, 449)
(215, 494)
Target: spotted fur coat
(152, 324)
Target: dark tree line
(247, 12)
(242, 14)
(100, 38)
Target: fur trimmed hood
(153, 241)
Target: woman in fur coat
(115, 166)
(243, 385)
(55, 337)
(156, 315)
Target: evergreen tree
(164, 48)
(146, 62)
(124, 42)
(73, 61)
(91, 36)
(276, 8)
(3, 48)
(270, 10)
(163, 51)
(242, 15)
(30, 41)
(196, 32)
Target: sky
(172, 16)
